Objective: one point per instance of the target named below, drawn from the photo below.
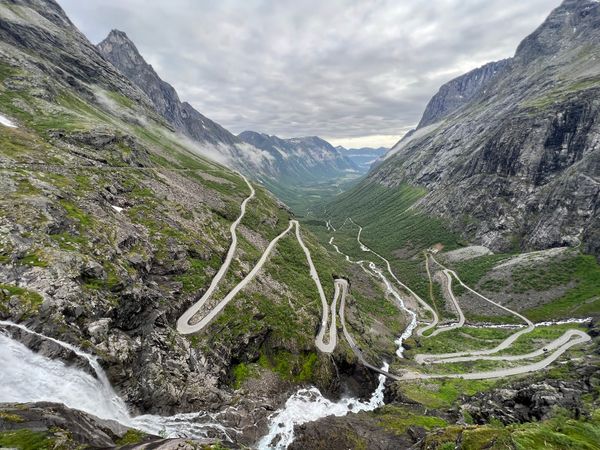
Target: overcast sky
(356, 72)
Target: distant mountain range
(363, 157)
(303, 160)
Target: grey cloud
(341, 69)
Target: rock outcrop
(350, 432)
(57, 421)
(53, 425)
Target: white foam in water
(408, 331)
(539, 324)
(29, 377)
(374, 269)
(7, 122)
(563, 322)
(308, 405)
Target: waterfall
(27, 376)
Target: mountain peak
(118, 36)
(461, 90)
(572, 24)
(118, 45)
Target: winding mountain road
(183, 324)
(326, 339)
(581, 338)
(557, 343)
(458, 309)
(560, 345)
(422, 358)
(186, 323)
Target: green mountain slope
(113, 225)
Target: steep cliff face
(518, 165)
(43, 29)
(461, 90)
(211, 137)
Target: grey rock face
(521, 158)
(525, 401)
(66, 53)
(460, 91)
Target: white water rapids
(308, 405)
(29, 377)
(26, 376)
(408, 331)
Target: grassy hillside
(390, 225)
(103, 195)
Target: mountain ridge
(222, 145)
(528, 138)
(459, 91)
(363, 157)
(280, 163)
(300, 157)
